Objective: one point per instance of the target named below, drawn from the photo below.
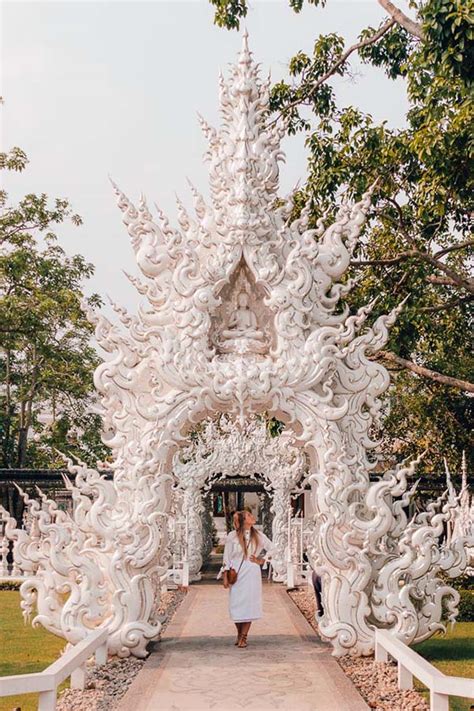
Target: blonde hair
(239, 521)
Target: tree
(418, 239)
(46, 360)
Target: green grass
(23, 649)
(453, 654)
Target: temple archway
(226, 448)
(243, 314)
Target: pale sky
(99, 88)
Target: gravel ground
(106, 685)
(376, 681)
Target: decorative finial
(245, 54)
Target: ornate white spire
(243, 154)
(241, 316)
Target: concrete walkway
(196, 666)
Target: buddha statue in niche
(243, 322)
(242, 332)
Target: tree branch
(383, 262)
(452, 277)
(460, 281)
(426, 372)
(448, 305)
(467, 284)
(363, 43)
(444, 281)
(453, 248)
(414, 28)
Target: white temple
(242, 314)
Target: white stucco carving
(172, 366)
(224, 448)
(461, 527)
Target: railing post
(405, 677)
(381, 654)
(101, 655)
(439, 702)
(290, 575)
(4, 556)
(47, 701)
(185, 581)
(78, 678)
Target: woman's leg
(239, 631)
(245, 626)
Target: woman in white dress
(243, 552)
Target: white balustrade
(411, 664)
(72, 663)
(14, 571)
(3, 557)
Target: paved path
(196, 666)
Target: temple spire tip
(245, 51)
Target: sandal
(239, 632)
(242, 643)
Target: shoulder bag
(230, 576)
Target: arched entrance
(225, 447)
(243, 314)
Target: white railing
(9, 572)
(297, 574)
(13, 577)
(298, 568)
(179, 574)
(72, 663)
(411, 664)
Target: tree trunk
(22, 438)
(8, 413)
(26, 413)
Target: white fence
(298, 570)
(411, 664)
(8, 572)
(72, 663)
(178, 575)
